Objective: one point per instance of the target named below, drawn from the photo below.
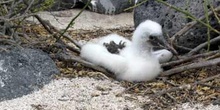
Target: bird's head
(150, 33)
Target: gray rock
(23, 71)
(65, 4)
(216, 102)
(110, 6)
(100, 6)
(172, 21)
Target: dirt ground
(88, 94)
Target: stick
(48, 26)
(43, 22)
(191, 66)
(4, 2)
(72, 58)
(10, 42)
(127, 89)
(72, 21)
(189, 58)
(182, 47)
(62, 45)
(199, 47)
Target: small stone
(64, 98)
(100, 6)
(101, 88)
(216, 102)
(105, 92)
(96, 94)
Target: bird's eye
(151, 37)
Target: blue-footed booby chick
(112, 40)
(134, 62)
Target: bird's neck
(140, 45)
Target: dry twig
(185, 86)
(72, 58)
(72, 21)
(49, 28)
(191, 66)
(199, 47)
(182, 47)
(189, 58)
(10, 42)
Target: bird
(115, 43)
(136, 61)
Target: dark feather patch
(114, 48)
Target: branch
(28, 6)
(72, 21)
(191, 66)
(46, 24)
(72, 58)
(199, 47)
(64, 46)
(48, 27)
(10, 42)
(205, 6)
(215, 13)
(181, 47)
(189, 58)
(5, 2)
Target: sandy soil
(78, 93)
(85, 94)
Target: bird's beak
(163, 42)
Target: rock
(110, 6)
(23, 71)
(103, 88)
(65, 4)
(172, 21)
(216, 102)
(105, 92)
(100, 6)
(95, 94)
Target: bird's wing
(114, 37)
(99, 55)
